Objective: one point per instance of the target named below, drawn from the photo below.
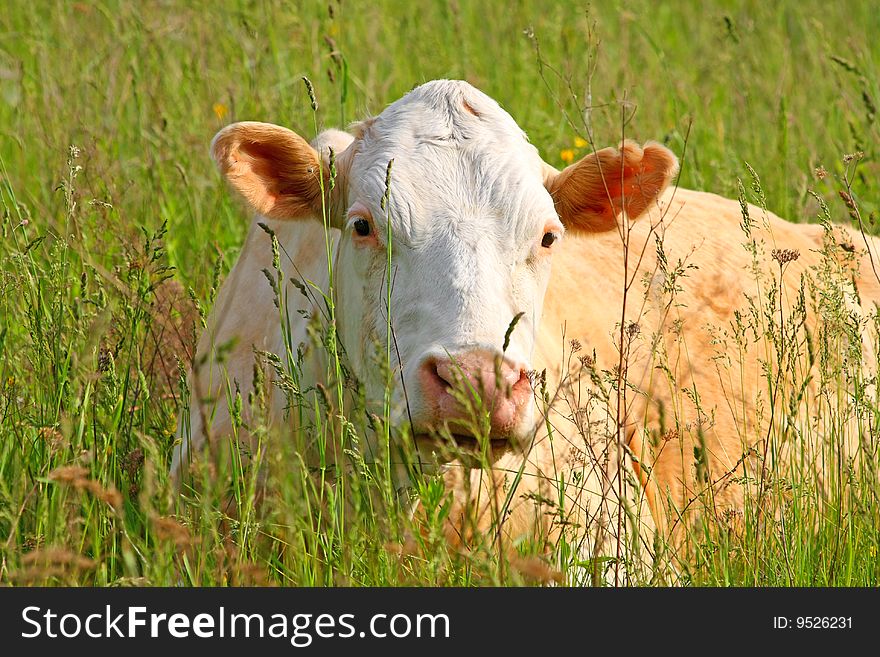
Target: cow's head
(474, 216)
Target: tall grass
(117, 233)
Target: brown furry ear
(591, 193)
(273, 168)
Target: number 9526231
(823, 622)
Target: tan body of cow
(684, 353)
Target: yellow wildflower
(220, 110)
(579, 143)
(566, 155)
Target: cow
(568, 350)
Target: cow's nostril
(523, 387)
(438, 374)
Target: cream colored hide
(478, 224)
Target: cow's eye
(362, 227)
(549, 239)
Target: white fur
(468, 210)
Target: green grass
(111, 250)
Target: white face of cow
(468, 214)
(473, 218)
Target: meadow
(117, 231)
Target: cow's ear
(591, 193)
(273, 168)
